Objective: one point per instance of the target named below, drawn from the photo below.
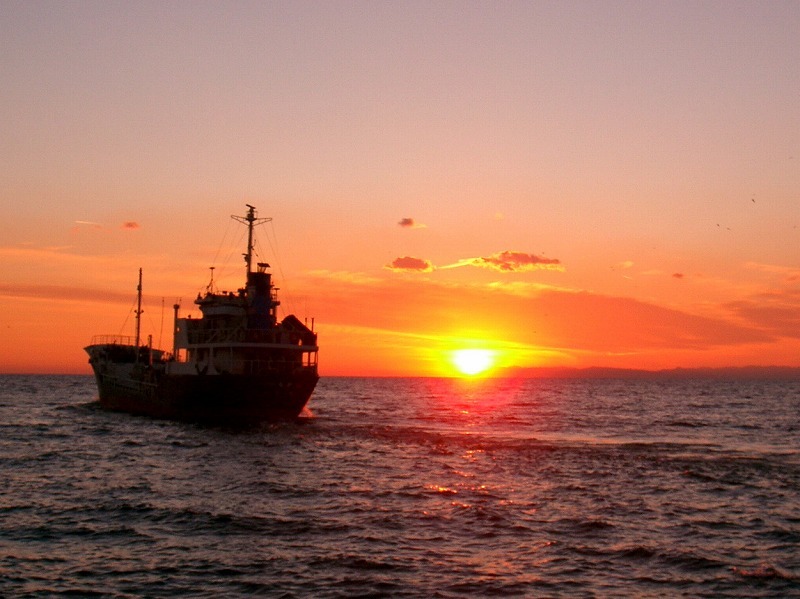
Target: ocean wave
(401, 488)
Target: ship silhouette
(236, 364)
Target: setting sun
(472, 361)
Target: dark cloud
(130, 224)
(410, 223)
(407, 263)
(511, 261)
(677, 275)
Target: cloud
(130, 224)
(790, 274)
(776, 311)
(511, 261)
(409, 223)
(677, 275)
(583, 324)
(83, 226)
(409, 264)
(62, 293)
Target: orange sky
(577, 184)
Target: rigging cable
(127, 316)
(225, 264)
(274, 249)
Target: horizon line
(753, 372)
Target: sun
(470, 362)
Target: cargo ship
(235, 364)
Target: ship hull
(210, 399)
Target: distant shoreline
(724, 373)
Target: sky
(572, 184)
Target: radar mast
(250, 220)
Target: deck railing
(228, 365)
(113, 340)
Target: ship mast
(139, 309)
(251, 221)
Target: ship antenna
(210, 286)
(139, 309)
(250, 220)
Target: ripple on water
(408, 488)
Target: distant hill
(732, 373)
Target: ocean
(409, 488)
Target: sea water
(409, 488)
